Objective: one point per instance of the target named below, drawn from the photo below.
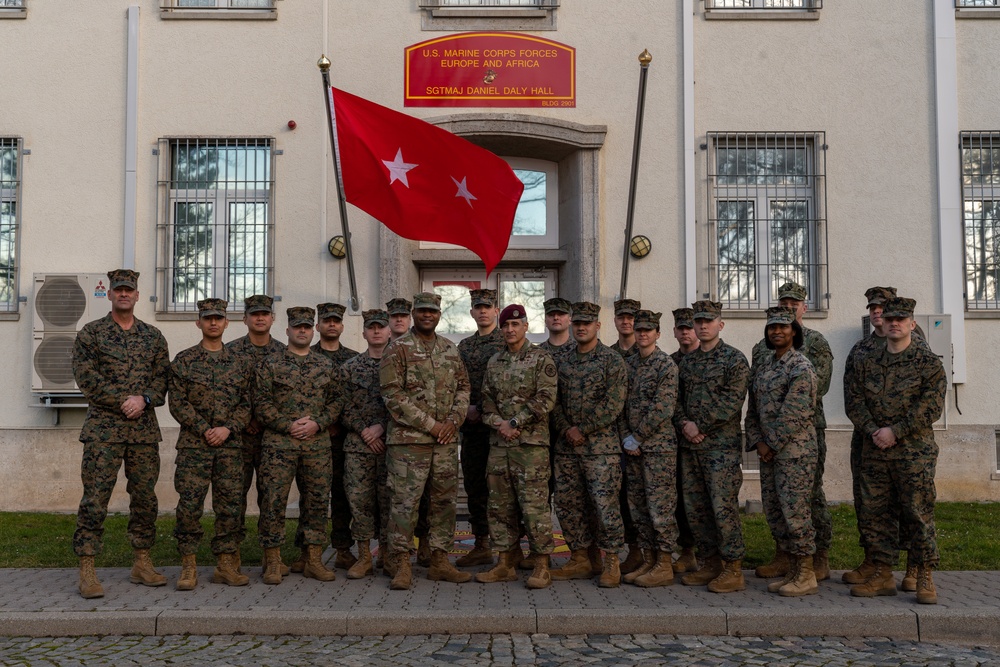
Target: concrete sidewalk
(45, 603)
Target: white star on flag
(463, 191)
(397, 168)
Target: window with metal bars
(981, 218)
(215, 227)
(10, 221)
(218, 9)
(763, 4)
(976, 4)
(491, 4)
(767, 216)
(218, 4)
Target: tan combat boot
(90, 586)
(143, 572)
(363, 567)
(189, 573)
(661, 574)
(926, 592)
(424, 551)
(390, 563)
(611, 577)
(227, 572)
(909, 582)
(648, 561)
(775, 586)
(517, 557)
(634, 560)
(578, 567)
(298, 565)
(710, 569)
(441, 569)
(880, 583)
(804, 582)
(778, 567)
(237, 560)
(730, 579)
(540, 576)
(480, 554)
(862, 572)
(272, 565)
(686, 562)
(502, 571)
(402, 578)
(596, 564)
(527, 563)
(345, 560)
(315, 569)
(821, 565)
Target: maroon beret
(513, 312)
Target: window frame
(11, 193)
(222, 199)
(763, 9)
(222, 9)
(764, 197)
(531, 15)
(13, 9)
(972, 194)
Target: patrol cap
(328, 310)
(646, 319)
(398, 306)
(792, 290)
(706, 310)
(375, 316)
(684, 317)
(558, 305)
(483, 297)
(780, 315)
(124, 278)
(427, 300)
(879, 295)
(258, 303)
(585, 311)
(514, 311)
(899, 306)
(212, 308)
(627, 307)
(299, 315)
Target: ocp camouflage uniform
(652, 475)
(252, 442)
(781, 414)
(631, 529)
(713, 386)
(290, 387)
(592, 388)
(422, 383)
(364, 470)
(109, 365)
(522, 386)
(817, 350)
(208, 390)
(685, 538)
(905, 391)
(476, 352)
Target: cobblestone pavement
(482, 649)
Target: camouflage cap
(328, 310)
(124, 278)
(899, 306)
(258, 303)
(706, 310)
(299, 315)
(627, 307)
(483, 297)
(212, 307)
(684, 317)
(646, 319)
(375, 316)
(780, 315)
(558, 305)
(514, 311)
(427, 300)
(879, 295)
(792, 290)
(585, 311)
(398, 306)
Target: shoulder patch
(550, 370)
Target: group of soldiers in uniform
(636, 447)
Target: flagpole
(324, 67)
(644, 59)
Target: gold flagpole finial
(645, 58)
(323, 63)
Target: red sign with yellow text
(490, 69)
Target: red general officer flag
(422, 182)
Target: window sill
(466, 19)
(14, 13)
(995, 476)
(10, 317)
(513, 257)
(977, 13)
(219, 14)
(759, 314)
(762, 14)
(191, 316)
(982, 314)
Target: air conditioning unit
(63, 304)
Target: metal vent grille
(61, 302)
(54, 360)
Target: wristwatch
(147, 399)
(513, 423)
